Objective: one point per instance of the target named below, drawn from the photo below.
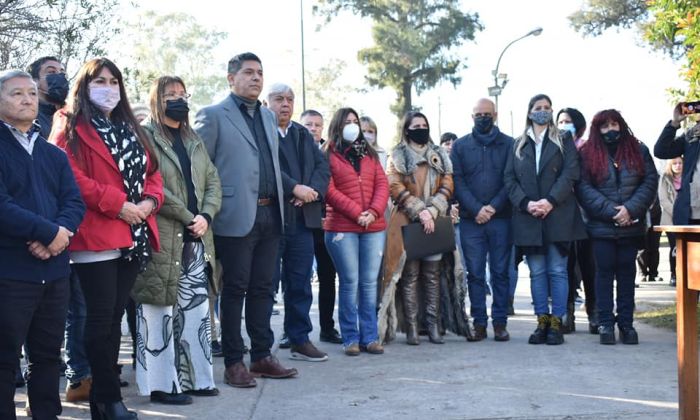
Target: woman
(540, 176)
(118, 179)
(173, 322)
(354, 225)
(669, 186)
(420, 183)
(618, 185)
(581, 254)
(369, 131)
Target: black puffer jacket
(621, 187)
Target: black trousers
(581, 268)
(106, 286)
(35, 313)
(326, 282)
(648, 257)
(248, 264)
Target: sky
(615, 70)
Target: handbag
(419, 244)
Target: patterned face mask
(541, 117)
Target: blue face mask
(541, 117)
(568, 127)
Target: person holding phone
(420, 183)
(686, 208)
(618, 185)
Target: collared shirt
(27, 139)
(283, 132)
(267, 185)
(539, 140)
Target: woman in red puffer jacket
(357, 197)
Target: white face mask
(370, 137)
(351, 132)
(105, 98)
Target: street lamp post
(303, 66)
(497, 87)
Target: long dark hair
(406, 122)
(158, 109)
(594, 153)
(78, 106)
(577, 119)
(335, 133)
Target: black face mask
(177, 109)
(483, 124)
(611, 137)
(419, 135)
(57, 88)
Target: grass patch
(661, 316)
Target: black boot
(568, 324)
(593, 321)
(628, 335)
(431, 284)
(554, 334)
(539, 336)
(409, 292)
(607, 334)
(112, 411)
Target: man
(479, 159)
(50, 76)
(313, 121)
(241, 138)
(40, 208)
(305, 176)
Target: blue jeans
(548, 275)
(615, 260)
(77, 364)
(294, 265)
(357, 258)
(512, 273)
(491, 239)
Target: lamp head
(535, 32)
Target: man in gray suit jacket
(241, 138)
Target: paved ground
(458, 380)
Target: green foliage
(671, 26)
(69, 29)
(413, 41)
(319, 83)
(172, 44)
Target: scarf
(130, 157)
(354, 152)
(485, 139)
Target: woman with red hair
(618, 184)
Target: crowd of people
(106, 206)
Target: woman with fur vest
(420, 184)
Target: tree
(671, 26)
(324, 80)
(413, 41)
(174, 44)
(68, 29)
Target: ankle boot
(593, 321)
(409, 291)
(431, 278)
(554, 335)
(539, 336)
(568, 324)
(113, 411)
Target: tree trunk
(406, 87)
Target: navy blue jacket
(636, 192)
(38, 194)
(302, 162)
(670, 147)
(478, 174)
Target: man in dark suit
(305, 176)
(241, 138)
(40, 208)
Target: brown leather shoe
(479, 333)
(238, 376)
(79, 393)
(373, 348)
(352, 349)
(500, 333)
(270, 367)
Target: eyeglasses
(175, 97)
